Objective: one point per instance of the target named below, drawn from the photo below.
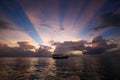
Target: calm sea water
(87, 67)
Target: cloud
(52, 26)
(108, 20)
(61, 28)
(5, 25)
(68, 46)
(2, 43)
(12, 35)
(22, 51)
(25, 45)
(115, 38)
(114, 35)
(100, 27)
(53, 43)
(49, 26)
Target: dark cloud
(115, 38)
(114, 35)
(98, 44)
(66, 46)
(100, 27)
(22, 50)
(61, 28)
(5, 25)
(51, 26)
(69, 44)
(4, 48)
(53, 43)
(98, 41)
(25, 45)
(107, 20)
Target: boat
(59, 56)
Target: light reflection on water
(74, 68)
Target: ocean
(84, 67)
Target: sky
(38, 22)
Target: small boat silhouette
(59, 56)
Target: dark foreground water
(87, 67)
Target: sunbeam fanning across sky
(55, 20)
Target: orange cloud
(11, 37)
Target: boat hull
(60, 57)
